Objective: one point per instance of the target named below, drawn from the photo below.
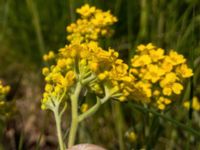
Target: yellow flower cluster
(92, 24)
(159, 75)
(80, 59)
(195, 104)
(5, 107)
(87, 63)
(153, 76)
(59, 79)
(112, 73)
(3, 90)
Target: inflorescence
(153, 77)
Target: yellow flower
(49, 56)
(86, 10)
(184, 71)
(102, 76)
(167, 91)
(161, 106)
(162, 102)
(131, 136)
(61, 63)
(84, 107)
(172, 87)
(141, 47)
(195, 104)
(45, 57)
(154, 73)
(145, 87)
(94, 66)
(175, 58)
(169, 78)
(133, 71)
(122, 98)
(167, 101)
(70, 77)
(45, 71)
(140, 61)
(166, 65)
(156, 54)
(48, 88)
(156, 92)
(4, 90)
(150, 46)
(177, 88)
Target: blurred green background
(30, 28)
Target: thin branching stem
(91, 111)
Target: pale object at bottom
(86, 147)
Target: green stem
(36, 22)
(107, 95)
(89, 79)
(130, 5)
(119, 123)
(143, 20)
(74, 107)
(71, 7)
(91, 111)
(58, 127)
(117, 7)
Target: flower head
(159, 75)
(92, 24)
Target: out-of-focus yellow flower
(49, 56)
(7, 108)
(84, 107)
(131, 136)
(195, 104)
(162, 102)
(45, 71)
(86, 10)
(3, 90)
(145, 87)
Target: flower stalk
(91, 111)
(58, 116)
(74, 107)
